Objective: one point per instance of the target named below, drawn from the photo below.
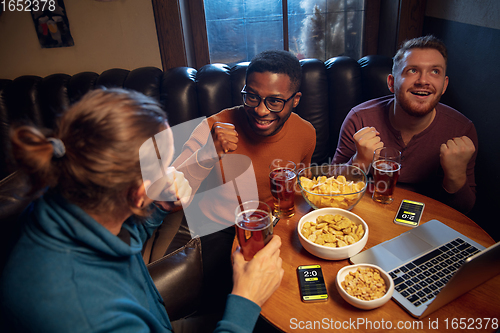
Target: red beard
(414, 108)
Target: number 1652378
(27, 5)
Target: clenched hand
(176, 190)
(455, 154)
(367, 140)
(225, 139)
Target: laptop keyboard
(421, 280)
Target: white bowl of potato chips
(332, 233)
(364, 286)
(339, 185)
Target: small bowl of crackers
(338, 185)
(332, 233)
(364, 286)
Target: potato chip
(334, 188)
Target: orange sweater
(295, 142)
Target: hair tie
(58, 147)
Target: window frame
(182, 23)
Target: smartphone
(312, 284)
(409, 213)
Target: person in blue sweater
(77, 266)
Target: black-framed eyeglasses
(273, 104)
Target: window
(239, 29)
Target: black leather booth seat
(330, 90)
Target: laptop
(431, 265)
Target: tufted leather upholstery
(329, 89)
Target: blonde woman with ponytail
(77, 266)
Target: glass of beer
(254, 227)
(385, 168)
(282, 178)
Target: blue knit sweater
(67, 273)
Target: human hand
(224, 138)
(367, 140)
(258, 278)
(176, 190)
(455, 154)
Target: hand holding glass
(254, 227)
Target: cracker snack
(334, 191)
(365, 283)
(332, 231)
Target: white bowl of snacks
(338, 186)
(332, 233)
(364, 286)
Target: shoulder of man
(452, 114)
(296, 120)
(225, 116)
(373, 104)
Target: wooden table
(286, 311)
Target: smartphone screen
(312, 284)
(409, 213)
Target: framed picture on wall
(51, 23)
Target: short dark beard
(412, 112)
(247, 118)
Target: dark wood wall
(399, 20)
(182, 34)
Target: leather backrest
(53, 97)
(330, 90)
(79, 84)
(213, 84)
(238, 74)
(22, 100)
(178, 277)
(374, 68)
(178, 95)
(344, 91)
(314, 105)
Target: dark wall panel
(474, 90)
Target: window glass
(325, 29)
(239, 29)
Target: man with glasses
(261, 130)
